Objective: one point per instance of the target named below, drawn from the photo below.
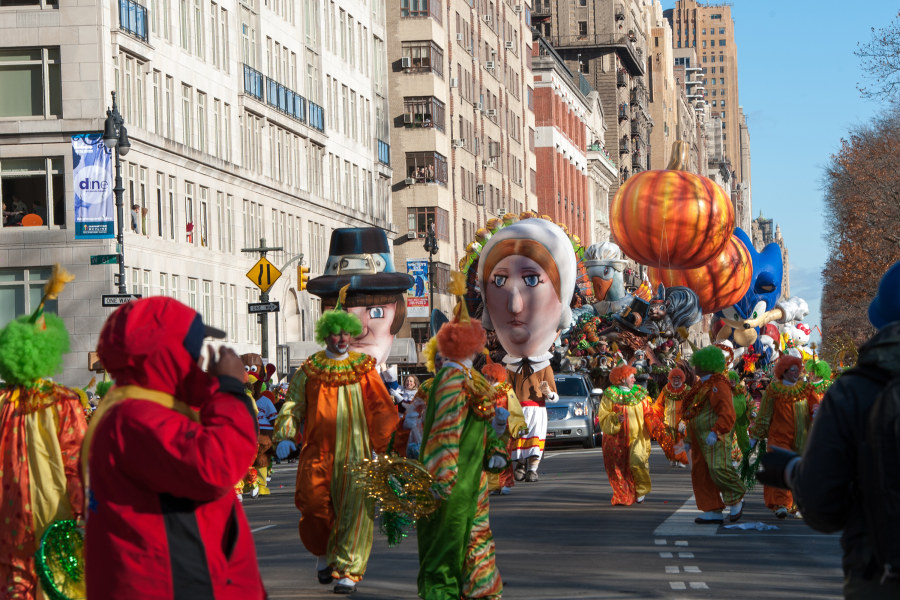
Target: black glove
(773, 465)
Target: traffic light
(302, 277)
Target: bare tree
(880, 63)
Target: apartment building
(664, 89)
(692, 109)
(461, 108)
(248, 120)
(576, 170)
(607, 43)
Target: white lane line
(681, 523)
(666, 555)
(691, 569)
(677, 585)
(698, 585)
(262, 528)
(685, 555)
(671, 569)
(681, 543)
(660, 541)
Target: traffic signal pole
(263, 297)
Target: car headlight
(578, 409)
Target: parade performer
(627, 420)
(510, 428)
(740, 397)
(456, 547)
(340, 404)
(668, 407)
(42, 425)
(526, 273)
(265, 416)
(785, 414)
(164, 450)
(819, 375)
(708, 413)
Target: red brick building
(562, 114)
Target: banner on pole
(93, 184)
(417, 295)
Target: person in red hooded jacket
(164, 450)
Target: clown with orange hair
(509, 421)
(627, 420)
(459, 446)
(668, 407)
(785, 415)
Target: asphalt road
(560, 538)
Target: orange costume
(707, 409)
(344, 413)
(668, 408)
(785, 414)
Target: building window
(420, 220)
(721, 31)
(30, 83)
(29, 186)
(133, 19)
(21, 291)
(420, 332)
(187, 102)
(421, 8)
(426, 167)
(423, 56)
(423, 111)
(582, 28)
(721, 42)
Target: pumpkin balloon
(719, 283)
(670, 218)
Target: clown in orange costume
(785, 415)
(627, 420)
(339, 403)
(668, 407)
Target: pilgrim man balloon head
(527, 276)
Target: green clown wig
(709, 359)
(333, 322)
(819, 368)
(30, 351)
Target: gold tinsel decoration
(397, 484)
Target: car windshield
(571, 386)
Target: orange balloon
(32, 220)
(671, 219)
(719, 283)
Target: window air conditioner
(454, 82)
(406, 62)
(411, 235)
(489, 65)
(509, 45)
(487, 18)
(410, 181)
(491, 113)
(459, 143)
(459, 37)
(517, 8)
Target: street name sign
(263, 275)
(262, 307)
(105, 259)
(118, 299)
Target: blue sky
(797, 78)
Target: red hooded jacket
(163, 521)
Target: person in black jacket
(826, 482)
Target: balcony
(253, 83)
(285, 100)
(630, 55)
(133, 19)
(316, 116)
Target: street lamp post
(431, 247)
(116, 137)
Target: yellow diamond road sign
(263, 275)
